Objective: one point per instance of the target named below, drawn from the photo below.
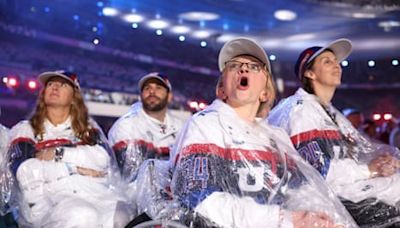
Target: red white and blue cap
(70, 76)
(340, 47)
(155, 75)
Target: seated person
(60, 167)
(233, 170)
(141, 140)
(3, 142)
(361, 172)
(6, 220)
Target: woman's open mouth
(243, 83)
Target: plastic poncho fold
(231, 173)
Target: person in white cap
(362, 173)
(233, 170)
(60, 166)
(141, 140)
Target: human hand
(304, 219)
(89, 172)
(383, 166)
(47, 154)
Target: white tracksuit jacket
(136, 137)
(240, 174)
(53, 194)
(337, 150)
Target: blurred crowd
(384, 131)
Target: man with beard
(142, 139)
(148, 130)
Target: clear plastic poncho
(230, 173)
(344, 156)
(142, 145)
(3, 142)
(80, 189)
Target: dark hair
(306, 81)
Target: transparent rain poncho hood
(3, 142)
(343, 155)
(231, 173)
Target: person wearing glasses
(233, 170)
(59, 166)
(364, 174)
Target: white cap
(155, 75)
(242, 46)
(70, 76)
(340, 47)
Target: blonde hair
(78, 112)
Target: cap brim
(44, 77)
(152, 76)
(340, 47)
(242, 46)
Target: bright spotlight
(202, 105)
(159, 32)
(193, 105)
(272, 57)
(387, 116)
(371, 63)
(157, 24)
(108, 11)
(32, 84)
(133, 18)
(395, 62)
(180, 29)
(345, 63)
(376, 116)
(12, 82)
(203, 43)
(285, 15)
(182, 38)
(201, 34)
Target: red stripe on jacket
(22, 139)
(232, 154)
(314, 134)
(148, 145)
